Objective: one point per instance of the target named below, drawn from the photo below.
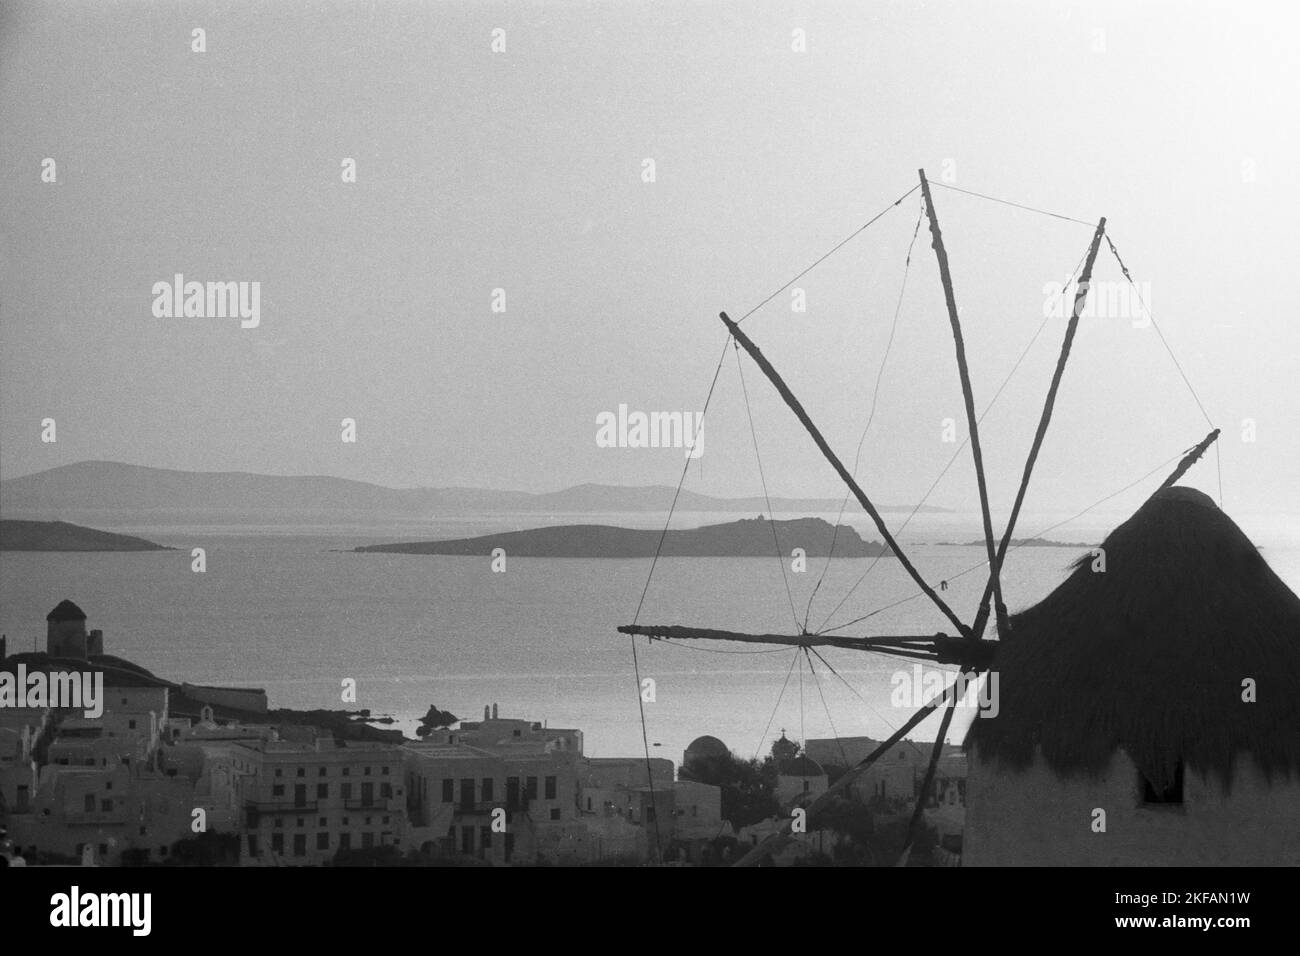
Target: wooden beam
(1193, 455)
(968, 395)
(919, 810)
(940, 648)
(798, 409)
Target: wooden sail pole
(968, 396)
(1193, 455)
(941, 648)
(774, 377)
(776, 840)
(1080, 298)
(926, 783)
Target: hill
(749, 537)
(61, 536)
(111, 493)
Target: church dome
(706, 746)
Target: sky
(524, 169)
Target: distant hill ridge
(61, 536)
(111, 493)
(748, 537)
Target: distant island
(1020, 543)
(112, 494)
(748, 537)
(61, 536)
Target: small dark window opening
(1173, 794)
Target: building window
(345, 791)
(367, 841)
(322, 841)
(277, 843)
(105, 806)
(323, 822)
(279, 772)
(322, 791)
(252, 844)
(467, 792)
(301, 822)
(484, 840)
(1172, 794)
(510, 846)
(385, 791)
(279, 822)
(367, 771)
(448, 791)
(555, 813)
(347, 771)
(467, 841)
(384, 771)
(530, 788)
(90, 803)
(277, 790)
(130, 725)
(302, 771)
(345, 841)
(550, 788)
(300, 844)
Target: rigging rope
(960, 448)
(826, 707)
(854, 691)
(780, 559)
(1007, 202)
(779, 697)
(871, 415)
(834, 249)
(1163, 341)
(1038, 534)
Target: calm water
(287, 613)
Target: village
(183, 773)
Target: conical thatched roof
(65, 610)
(1151, 655)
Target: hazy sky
(523, 170)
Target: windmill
(967, 647)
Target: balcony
(464, 809)
(282, 806)
(374, 803)
(96, 818)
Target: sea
(292, 610)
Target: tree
(748, 786)
(435, 719)
(209, 848)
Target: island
(746, 538)
(61, 536)
(1020, 543)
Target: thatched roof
(65, 610)
(1151, 654)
